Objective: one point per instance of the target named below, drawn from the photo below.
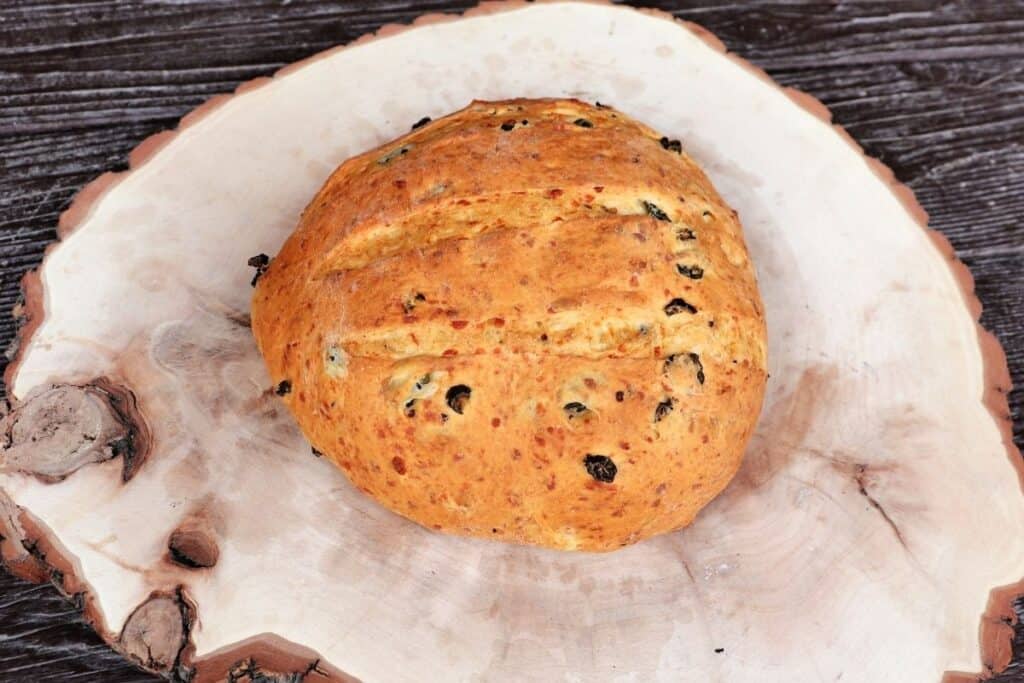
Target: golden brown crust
(569, 280)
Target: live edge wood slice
(149, 470)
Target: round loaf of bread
(531, 320)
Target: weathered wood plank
(933, 89)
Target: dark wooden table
(934, 89)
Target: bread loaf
(531, 320)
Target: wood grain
(934, 89)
